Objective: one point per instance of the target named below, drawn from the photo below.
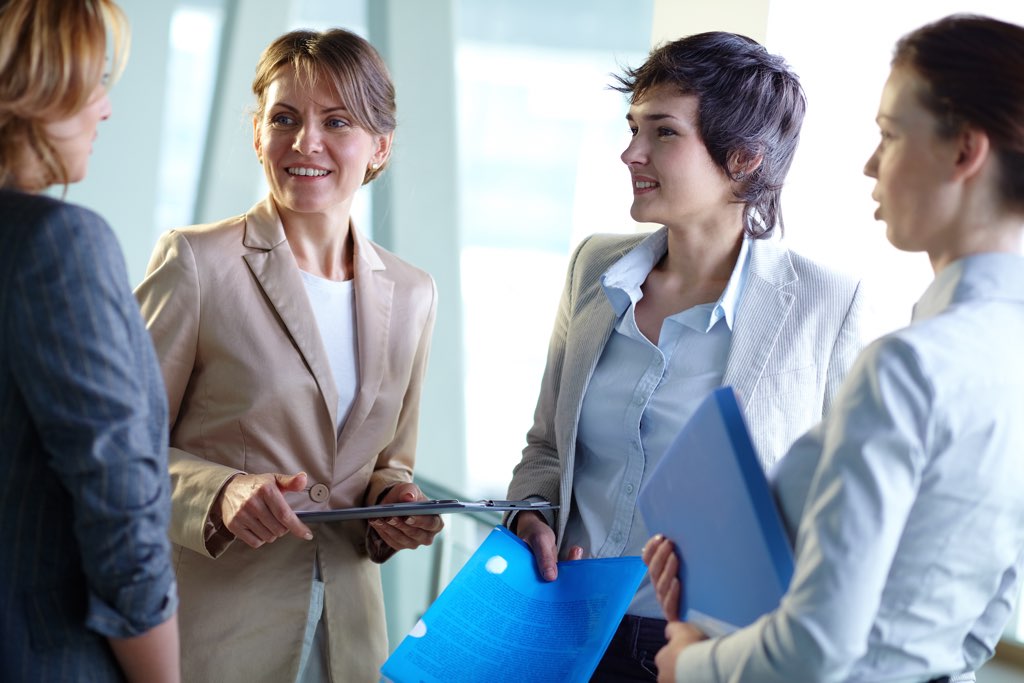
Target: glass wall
(539, 136)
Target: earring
(375, 166)
(739, 175)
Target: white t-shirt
(334, 306)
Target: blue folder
(498, 620)
(709, 495)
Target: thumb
(293, 482)
(407, 493)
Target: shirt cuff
(696, 664)
(146, 607)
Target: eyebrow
(652, 117)
(325, 110)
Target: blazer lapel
(275, 269)
(374, 291)
(761, 315)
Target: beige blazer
(250, 390)
(795, 336)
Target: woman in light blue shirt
(649, 324)
(905, 502)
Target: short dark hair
(750, 103)
(973, 68)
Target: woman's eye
(281, 120)
(337, 123)
(665, 132)
(632, 130)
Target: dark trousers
(630, 656)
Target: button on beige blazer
(250, 390)
(795, 336)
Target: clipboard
(423, 507)
(709, 495)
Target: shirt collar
(979, 276)
(622, 281)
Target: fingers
(683, 633)
(532, 528)
(255, 511)
(575, 553)
(406, 533)
(663, 566)
(403, 493)
(665, 660)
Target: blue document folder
(498, 620)
(709, 495)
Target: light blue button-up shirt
(905, 503)
(637, 400)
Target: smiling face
(675, 181)
(313, 153)
(914, 169)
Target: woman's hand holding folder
(663, 567)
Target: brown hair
(52, 56)
(749, 103)
(345, 61)
(973, 70)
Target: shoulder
(401, 270)
(39, 229)
(596, 253)
(823, 280)
(227, 230)
(608, 246)
(34, 213)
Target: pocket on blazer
(788, 382)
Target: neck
(701, 256)
(322, 244)
(993, 234)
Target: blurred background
(506, 155)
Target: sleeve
(395, 462)
(848, 344)
(539, 472)
(76, 357)
(169, 298)
(873, 456)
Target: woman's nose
(633, 154)
(307, 141)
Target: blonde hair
(52, 56)
(346, 62)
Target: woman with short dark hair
(650, 324)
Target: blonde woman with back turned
(87, 592)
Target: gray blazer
(84, 490)
(796, 335)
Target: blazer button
(319, 492)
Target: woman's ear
(743, 163)
(257, 144)
(383, 148)
(973, 150)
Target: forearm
(151, 657)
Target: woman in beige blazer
(293, 350)
(648, 325)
